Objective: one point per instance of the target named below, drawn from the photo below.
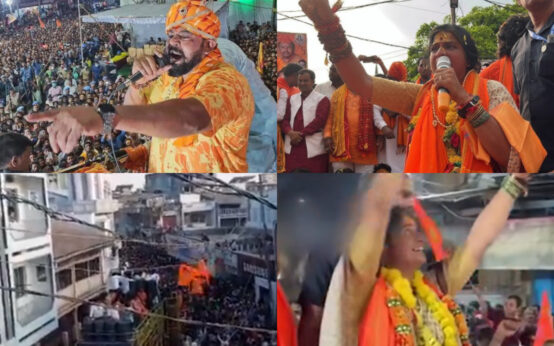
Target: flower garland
(456, 311)
(401, 288)
(413, 121)
(439, 310)
(451, 138)
(400, 319)
(366, 126)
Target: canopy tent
(148, 20)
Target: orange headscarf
(398, 71)
(195, 17)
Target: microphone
(160, 61)
(444, 96)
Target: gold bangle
(513, 187)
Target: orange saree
(427, 153)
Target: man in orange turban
(198, 109)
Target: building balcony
(101, 206)
(84, 289)
(106, 206)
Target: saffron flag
(431, 231)
(58, 23)
(186, 275)
(286, 326)
(197, 287)
(260, 66)
(545, 328)
(41, 22)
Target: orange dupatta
(507, 77)
(501, 70)
(282, 84)
(375, 328)
(401, 130)
(427, 153)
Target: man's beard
(186, 66)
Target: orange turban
(398, 71)
(285, 38)
(194, 17)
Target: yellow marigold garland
(413, 121)
(443, 312)
(400, 319)
(452, 138)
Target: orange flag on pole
(431, 231)
(58, 23)
(260, 66)
(545, 327)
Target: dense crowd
(357, 123)
(42, 70)
(227, 301)
(137, 255)
(249, 36)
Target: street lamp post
(80, 30)
(453, 6)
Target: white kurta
(388, 155)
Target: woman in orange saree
(479, 130)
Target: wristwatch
(469, 107)
(107, 112)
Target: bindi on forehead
(408, 222)
(444, 37)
